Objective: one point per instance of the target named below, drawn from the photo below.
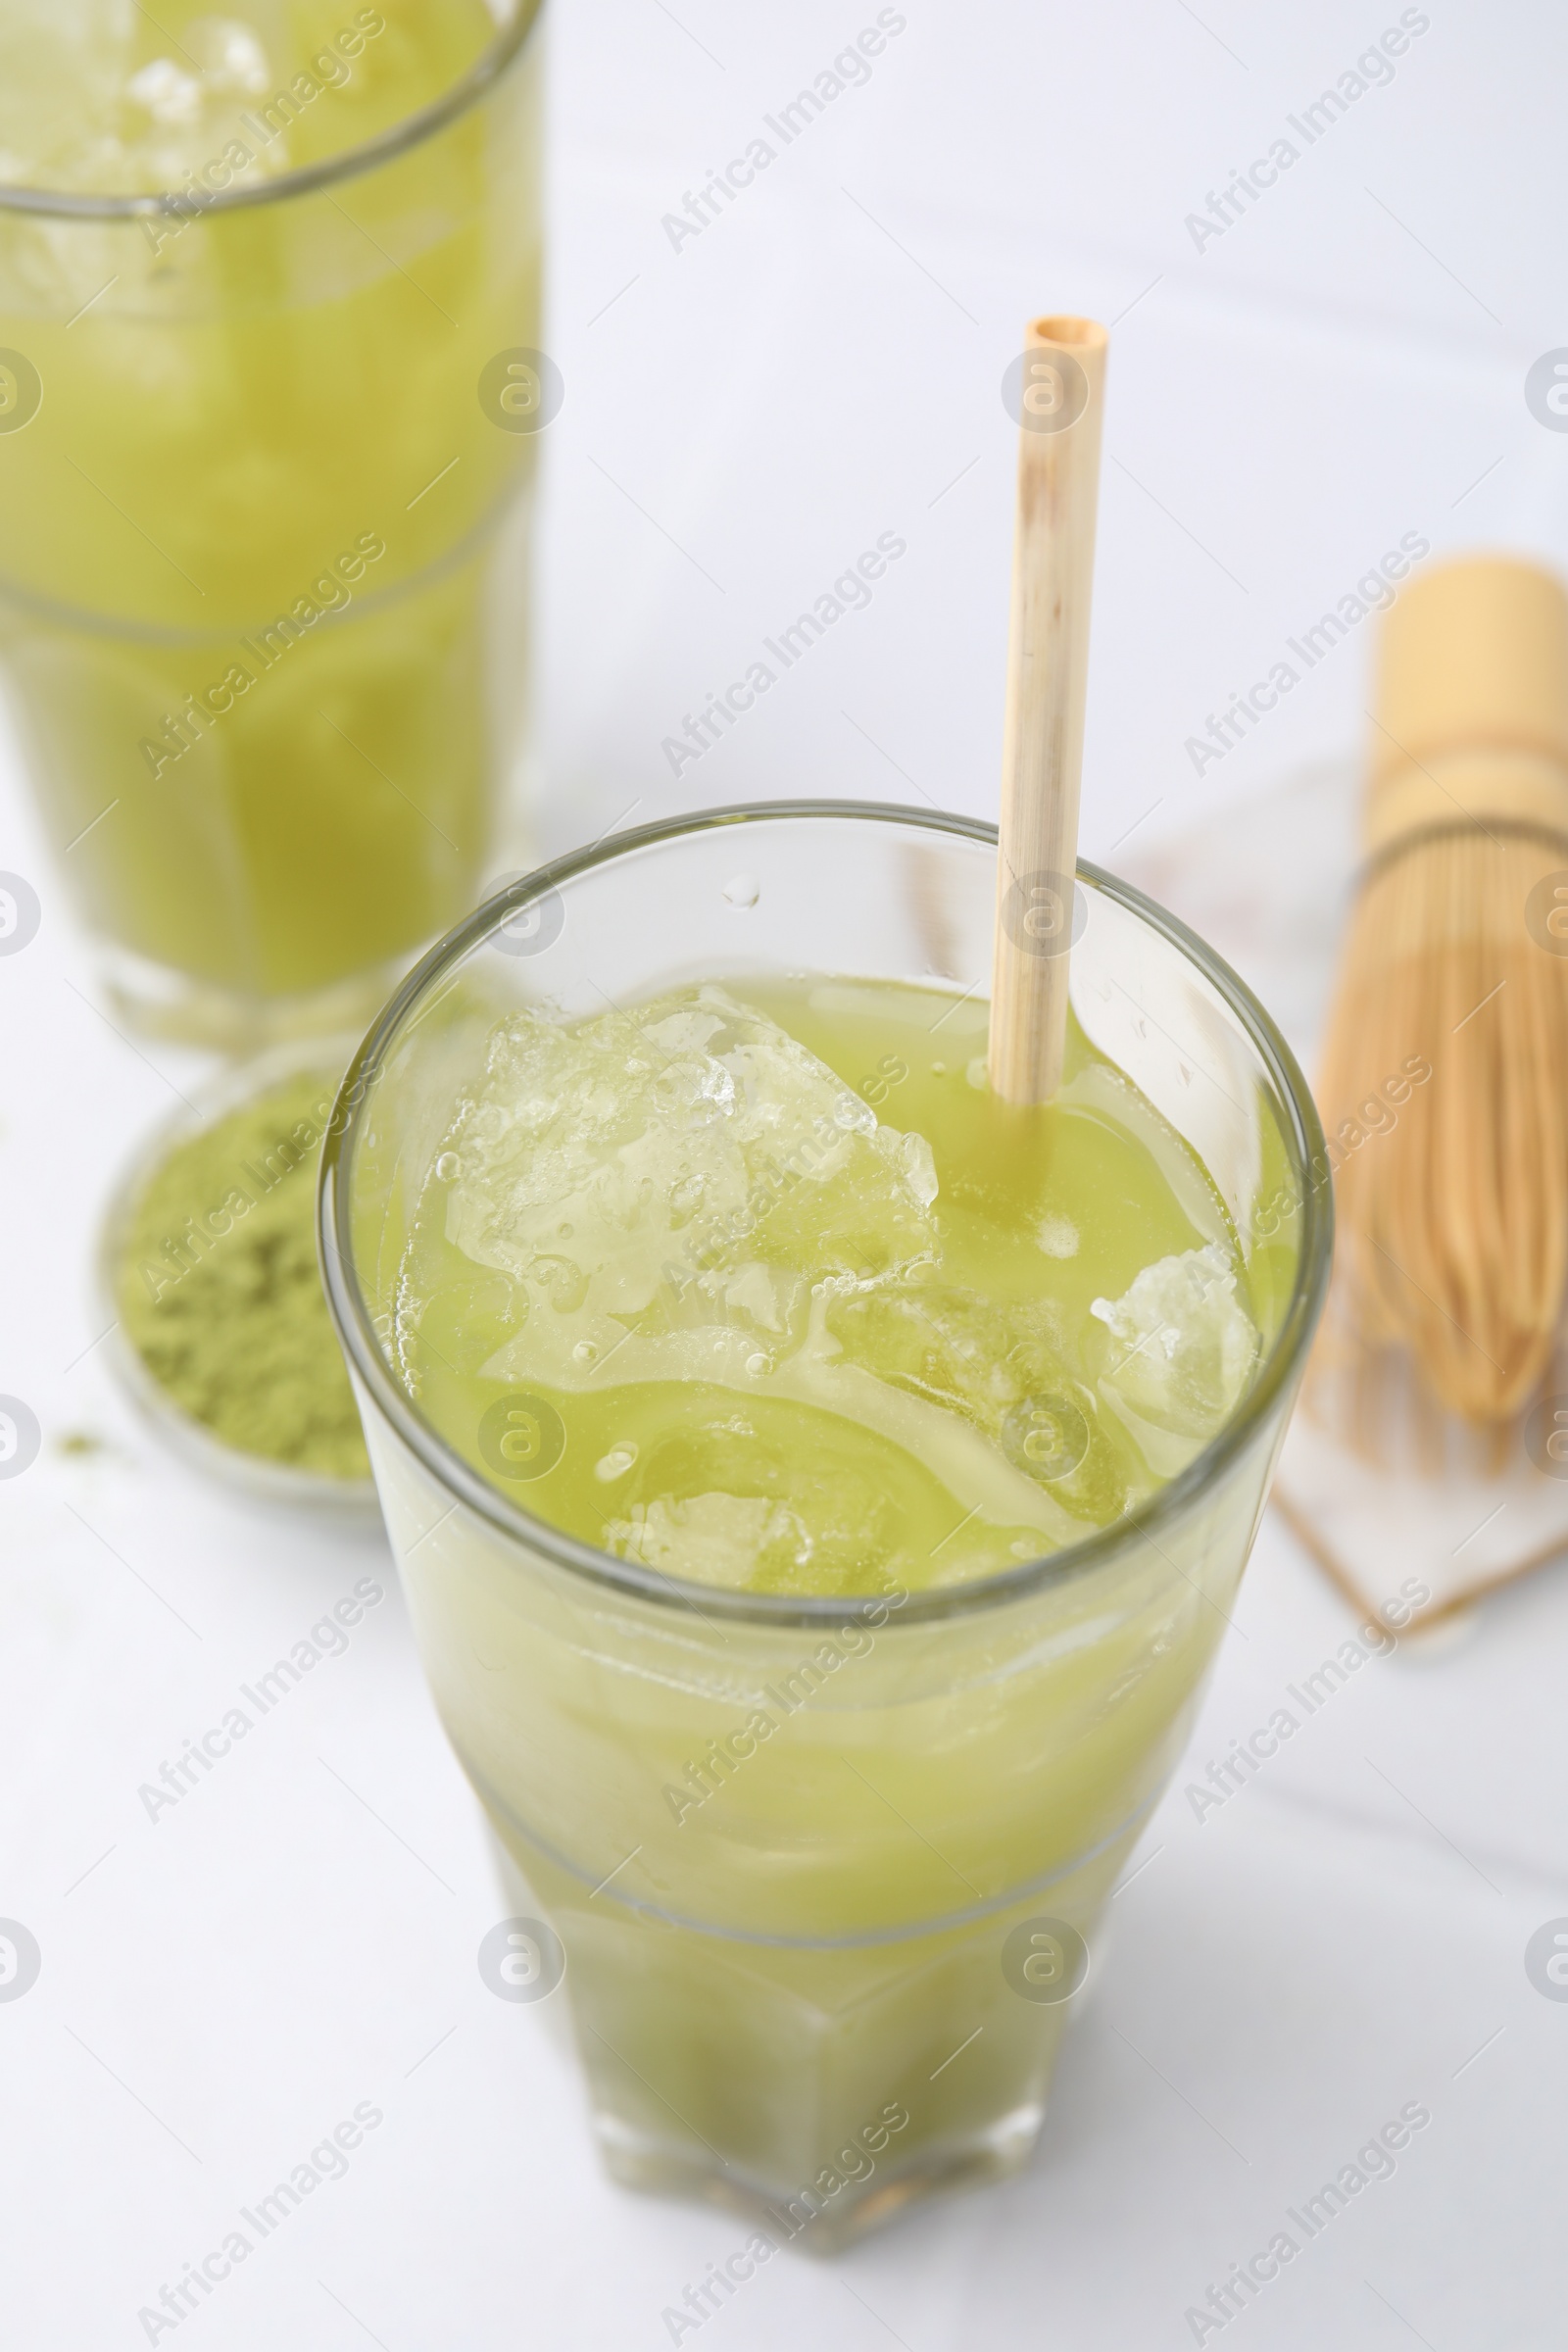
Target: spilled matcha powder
(219, 1292)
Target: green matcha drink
(260, 555)
(819, 1489)
(772, 1342)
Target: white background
(1343, 365)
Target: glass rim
(348, 164)
(1102, 1547)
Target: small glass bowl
(345, 1499)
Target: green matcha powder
(219, 1292)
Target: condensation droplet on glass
(938, 1069)
(564, 1233)
(742, 890)
(617, 1462)
(585, 1352)
(758, 1364)
(449, 1167)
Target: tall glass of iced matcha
(819, 1489)
(268, 398)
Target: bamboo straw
(1047, 668)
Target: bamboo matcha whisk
(1444, 1082)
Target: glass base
(826, 2224)
(155, 1000)
(779, 2085)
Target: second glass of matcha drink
(819, 1487)
(268, 298)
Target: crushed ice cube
(1183, 1349)
(719, 1539)
(689, 1145)
(167, 93)
(1003, 1367)
(77, 110)
(230, 55)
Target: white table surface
(220, 1987)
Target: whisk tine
(1452, 1202)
